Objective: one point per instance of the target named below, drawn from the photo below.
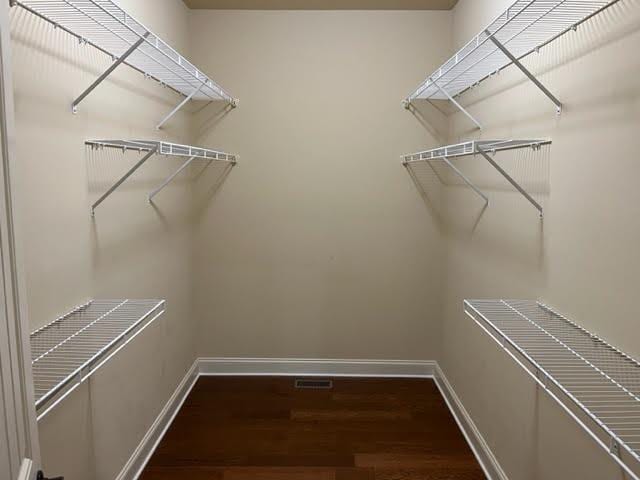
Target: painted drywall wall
(131, 249)
(317, 244)
(580, 258)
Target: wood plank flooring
(262, 428)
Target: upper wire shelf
(485, 148)
(68, 350)
(107, 27)
(524, 28)
(597, 384)
(149, 148)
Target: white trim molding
(141, 455)
(26, 470)
(316, 367)
(308, 367)
(479, 446)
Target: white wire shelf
(597, 384)
(484, 148)
(107, 27)
(149, 148)
(524, 28)
(68, 350)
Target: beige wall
(129, 250)
(317, 244)
(581, 258)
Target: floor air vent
(314, 383)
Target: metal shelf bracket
(510, 179)
(466, 180)
(107, 72)
(170, 177)
(524, 70)
(141, 162)
(456, 103)
(184, 101)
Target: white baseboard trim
(226, 366)
(479, 446)
(316, 367)
(141, 455)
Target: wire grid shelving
(597, 384)
(485, 148)
(523, 28)
(68, 350)
(471, 148)
(150, 148)
(163, 148)
(107, 27)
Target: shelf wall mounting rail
(594, 382)
(484, 148)
(107, 27)
(149, 148)
(67, 351)
(523, 28)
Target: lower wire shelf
(68, 350)
(595, 383)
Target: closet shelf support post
(170, 177)
(150, 154)
(107, 72)
(510, 179)
(524, 70)
(457, 104)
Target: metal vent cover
(314, 383)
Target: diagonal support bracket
(170, 178)
(151, 153)
(455, 102)
(466, 180)
(456, 170)
(107, 72)
(180, 105)
(515, 184)
(524, 70)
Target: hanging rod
(594, 382)
(107, 27)
(67, 351)
(485, 148)
(524, 28)
(149, 148)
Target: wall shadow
(212, 114)
(207, 183)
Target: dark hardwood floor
(262, 428)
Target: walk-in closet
(319, 239)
